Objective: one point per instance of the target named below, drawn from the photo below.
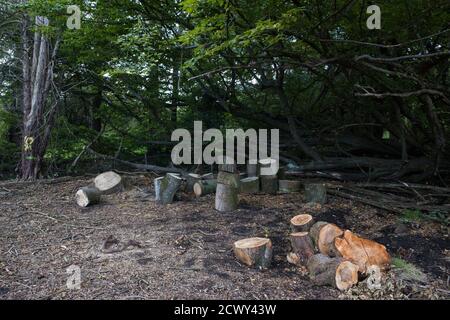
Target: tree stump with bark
(227, 198)
(204, 187)
(268, 167)
(316, 192)
(302, 223)
(254, 252)
(362, 252)
(269, 184)
(108, 182)
(335, 272)
(323, 235)
(87, 196)
(249, 185)
(252, 170)
(168, 187)
(288, 186)
(191, 179)
(302, 246)
(157, 185)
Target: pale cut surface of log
(315, 229)
(204, 187)
(302, 223)
(288, 186)
(268, 167)
(302, 246)
(325, 242)
(87, 196)
(227, 198)
(269, 184)
(293, 258)
(108, 182)
(254, 251)
(335, 272)
(316, 192)
(169, 187)
(362, 252)
(191, 179)
(249, 185)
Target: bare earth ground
(183, 250)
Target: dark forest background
(351, 103)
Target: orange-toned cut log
(254, 251)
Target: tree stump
(254, 252)
(157, 185)
(269, 184)
(227, 191)
(249, 185)
(362, 252)
(108, 182)
(252, 170)
(268, 167)
(288, 186)
(204, 187)
(302, 246)
(323, 235)
(335, 272)
(168, 188)
(316, 192)
(87, 196)
(302, 223)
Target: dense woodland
(351, 103)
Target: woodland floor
(183, 250)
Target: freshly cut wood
(204, 187)
(87, 196)
(302, 246)
(108, 182)
(316, 192)
(252, 170)
(229, 179)
(323, 235)
(268, 167)
(269, 184)
(157, 185)
(302, 223)
(293, 258)
(249, 185)
(362, 252)
(335, 272)
(254, 252)
(191, 179)
(227, 198)
(288, 186)
(168, 188)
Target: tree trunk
(302, 246)
(168, 188)
(249, 185)
(204, 187)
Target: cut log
(316, 192)
(249, 185)
(268, 167)
(204, 187)
(335, 272)
(227, 198)
(252, 170)
(323, 235)
(302, 223)
(302, 246)
(254, 252)
(168, 188)
(108, 182)
(362, 252)
(157, 184)
(229, 179)
(87, 196)
(314, 231)
(191, 179)
(288, 186)
(293, 258)
(269, 184)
